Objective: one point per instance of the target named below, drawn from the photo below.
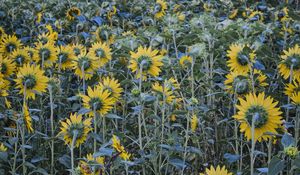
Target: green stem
(252, 145)
(95, 130)
(72, 151)
(52, 128)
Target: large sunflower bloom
(45, 54)
(160, 9)
(9, 44)
(100, 52)
(290, 64)
(33, 78)
(263, 109)
(75, 127)
(20, 57)
(7, 66)
(148, 59)
(112, 86)
(240, 56)
(97, 99)
(84, 66)
(216, 171)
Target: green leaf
(276, 166)
(178, 163)
(287, 140)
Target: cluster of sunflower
(152, 77)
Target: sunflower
(185, 61)
(104, 34)
(97, 99)
(172, 84)
(116, 144)
(78, 49)
(194, 123)
(240, 56)
(9, 44)
(84, 66)
(3, 148)
(4, 86)
(290, 63)
(20, 57)
(263, 109)
(164, 92)
(27, 118)
(45, 54)
(295, 97)
(292, 88)
(100, 52)
(75, 127)
(112, 86)
(233, 14)
(30, 51)
(148, 59)
(256, 16)
(160, 9)
(7, 66)
(283, 15)
(247, 12)
(47, 37)
(72, 13)
(65, 55)
(31, 77)
(216, 171)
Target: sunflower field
(149, 87)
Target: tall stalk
(297, 125)
(253, 141)
(52, 128)
(22, 129)
(95, 129)
(75, 132)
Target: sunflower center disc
(293, 60)
(145, 62)
(243, 56)
(104, 34)
(85, 62)
(157, 8)
(96, 103)
(29, 81)
(10, 47)
(241, 84)
(259, 114)
(44, 53)
(76, 51)
(76, 126)
(20, 59)
(63, 57)
(100, 53)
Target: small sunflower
(78, 49)
(172, 84)
(185, 61)
(84, 66)
(147, 60)
(104, 34)
(100, 52)
(7, 66)
(27, 118)
(292, 88)
(72, 13)
(97, 99)
(164, 92)
(30, 51)
(247, 12)
(233, 14)
(263, 109)
(20, 57)
(290, 63)
(116, 144)
(283, 15)
(160, 9)
(47, 37)
(45, 54)
(112, 11)
(3, 148)
(33, 78)
(75, 127)
(256, 16)
(216, 171)
(112, 86)
(65, 56)
(194, 123)
(9, 44)
(240, 56)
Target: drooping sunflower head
(256, 16)
(47, 37)
(31, 80)
(238, 82)
(78, 49)
(240, 58)
(261, 111)
(7, 66)
(27, 118)
(75, 128)
(112, 86)
(145, 61)
(233, 14)
(116, 144)
(164, 93)
(84, 66)
(172, 84)
(292, 88)
(45, 54)
(100, 52)
(185, 61)
(216, 171)
(72, 13)
(20, 57)
(290, 63)
(65, 55)
(104, 34)
(98, 100)
(160, 9)
(8, 44)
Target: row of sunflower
(136, 90)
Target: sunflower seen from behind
(160, 9)
(84, 66)
(100, 52)
(290, 63)
(20, 57)
(265, 113)
(98, 100)
(78, 49)
(292, 88)
(241, 58)
(45, 54)
(8, 44)
(104, 34)
(31, 79)
(7, 66)
(65, 56)
(164, 92)
(216, 171)
(113, 86)
(116, 144)
(145, 62)
(75, 127)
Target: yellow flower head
(267, 117)
(194, 123)
(72, 13)
(290, 63)
(104, 34)
(185, 61)
(240, 58)
(7, 66)
(2, 148)
(27, 118)
(160, 9)
(292, 88)
(233, 14)
(47, 37)
(291, 151)
(84, 66)
(20, 57)
(164, 92)
(100, 52)
(97, 99)
(283, 15)
(45, 54)
(116, 144)
(9, 44)
(65, 56)
(31, 77)
(75, 128)
(4, 86)
(112, 86)
(295, 97)
(146, 60)
(216, 171)
(256, 16)
(78, 49)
